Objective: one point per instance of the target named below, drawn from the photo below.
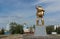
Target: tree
(16, 28)
(13, 27)
(49, 29)
(2, 31)
(58, 30)
(19, 29)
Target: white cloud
(53, 7)
(38, 2)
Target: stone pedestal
(40, 31)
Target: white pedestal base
(40, 31)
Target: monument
(40, 29)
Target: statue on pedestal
(39, 14)
(40, 29)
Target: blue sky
(24, 11)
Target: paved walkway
(18, 36)
(12, 37)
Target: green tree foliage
(16, 28)
(49, 29)
(2, 31)
(58, 30)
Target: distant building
(56, 26)
(54, 33)
(27, 31)
(7, 27)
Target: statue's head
(40, 11)
(39, 8)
